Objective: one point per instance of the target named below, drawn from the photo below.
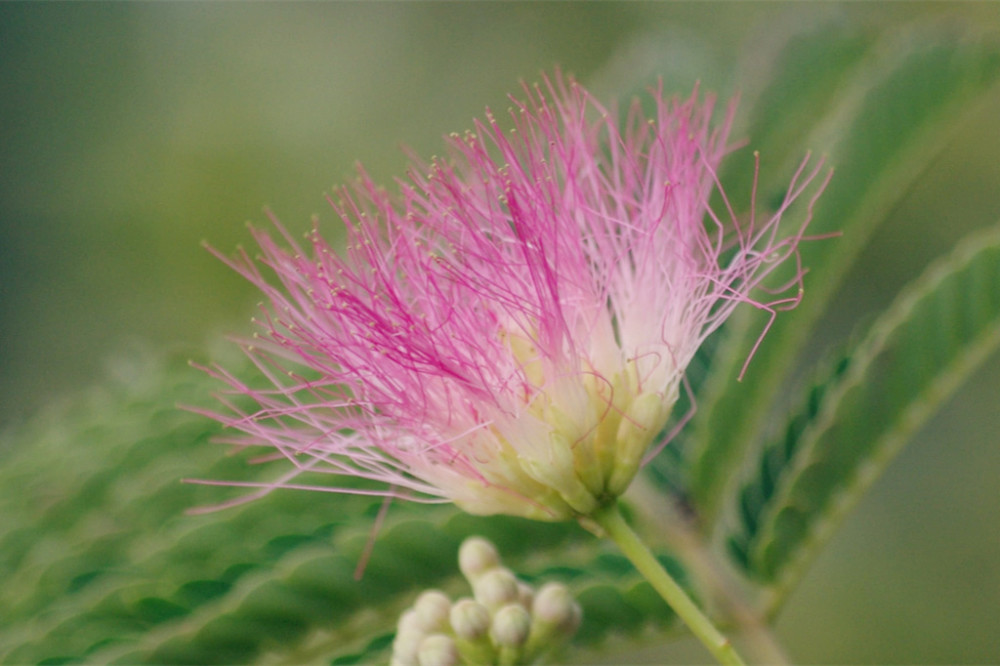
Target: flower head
(509, 331)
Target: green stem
(725, 592)
(611, 521)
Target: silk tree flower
(509, 330)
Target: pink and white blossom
(509, 329)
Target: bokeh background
(129, 133)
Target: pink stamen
(492, 285)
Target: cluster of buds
(506, 621)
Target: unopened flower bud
(408, 621)
(476, 556)
(496, 588)
(556, 617)
(431, 611)
(438, 650)
(405, 645)
(511, 626)
(470, 619)
(555, 606)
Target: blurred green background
(131, 132)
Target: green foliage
(883, 127)
(102, 563)
(858, 416)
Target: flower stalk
(611, 521)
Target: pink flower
(510, 330)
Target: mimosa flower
(509, 331)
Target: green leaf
(860, 415)
(890, 118)
(786, 97)
(102, 564)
